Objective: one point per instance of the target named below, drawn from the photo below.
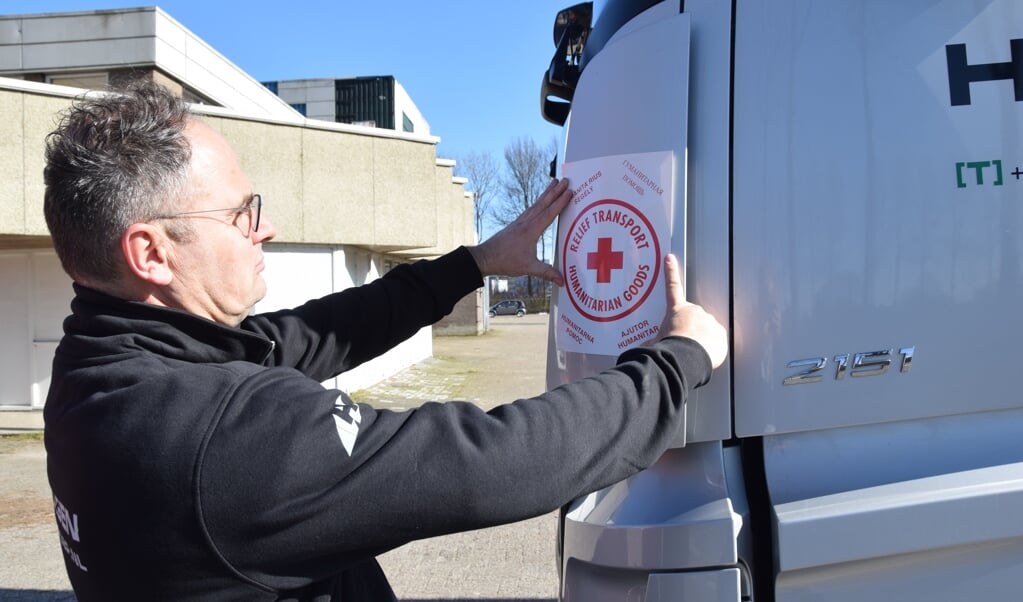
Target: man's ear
(146, 250)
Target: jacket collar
(120, 326)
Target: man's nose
(266, 231)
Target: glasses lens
(257, 207)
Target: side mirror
(571, 28)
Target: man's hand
(689, 320)
(512, 251)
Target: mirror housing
(571, 28)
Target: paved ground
(513, 563)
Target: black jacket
(195, 461)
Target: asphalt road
(511, 563)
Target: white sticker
(612, 239)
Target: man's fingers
(551, 202)
(673, 280)
(549, 273)
(553, 191)
(560, 194)
(688, 320)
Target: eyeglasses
(250, 210)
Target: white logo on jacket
(68, 522)
(347, 418)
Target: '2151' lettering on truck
(867, 363)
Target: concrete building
(349, 201)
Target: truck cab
(842, 182)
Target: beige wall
(25, 119)
(465, 319)
(322, 184)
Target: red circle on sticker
(611, 259)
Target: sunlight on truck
(841, 180)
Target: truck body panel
(853, 233)
(846, 199)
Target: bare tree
(482, 172)
(527, 176)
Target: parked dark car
(509, 307)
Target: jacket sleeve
(332, 483)
(330, 335)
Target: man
(192, 452)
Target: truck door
(877, 274)
(674, 527)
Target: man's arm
(443, 467)
(337, 332)
(343, 330)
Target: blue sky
(473, 67)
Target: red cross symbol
(605, 260)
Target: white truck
(846, 196)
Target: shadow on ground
(28, 595)
(35, 595)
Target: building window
(194, 97)
(87, 81)
(300, 107)
(365, 100)
(272, 86)
(406, 123)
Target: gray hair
(114, 160)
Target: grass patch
(33, 436)
(359, 396)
